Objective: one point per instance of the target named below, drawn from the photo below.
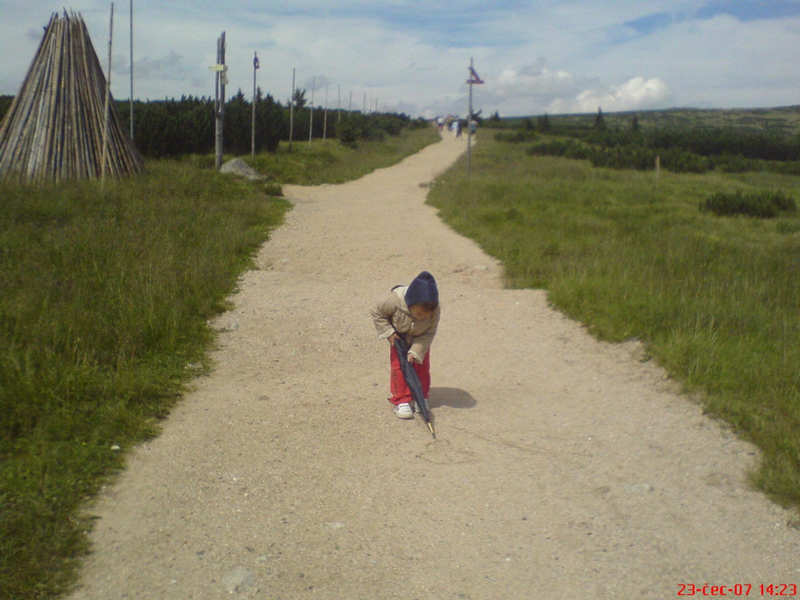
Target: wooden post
(108, 97)
(220, 101)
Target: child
(411, 312)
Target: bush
(349, 132)
(567, 149)
(526, 135)
(273, 189)
(764, 205)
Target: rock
(639, 488)
(238, 580)
(238, 167)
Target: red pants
(400, 392)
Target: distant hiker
(411, 312)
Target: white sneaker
(403, 411)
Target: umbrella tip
(430, 426)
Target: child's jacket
(393, 315)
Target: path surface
(563, 468)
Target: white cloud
(549, 56)
(637, 93)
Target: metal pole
(220, 116)
(253, 110)
(325, 118)
(291, 114)
(108, 97)
(311, 113)
(469, 118)
(131, 102)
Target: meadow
(107, 294)
(715, 300)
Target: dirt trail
(564, 467)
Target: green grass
(328, 161)
(103, 321)
(716, 300)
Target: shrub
(567, 149)
(517, 136)
(273, 189)
(763, 205)
(349, 132)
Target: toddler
(411, 312)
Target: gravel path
(564, 467)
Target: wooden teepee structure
(54, 129)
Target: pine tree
(599, 121)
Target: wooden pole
(108, 96)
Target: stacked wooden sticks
(54, 128)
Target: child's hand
(413, 359)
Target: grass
(716, 300)
(103, 321)
(328, 161)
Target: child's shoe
(403, 411)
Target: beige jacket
(393, 315)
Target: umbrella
(412, 380)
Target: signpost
(256, 67)
(220, 80)
(474, 79)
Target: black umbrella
(412, 380)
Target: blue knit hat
(422, 289)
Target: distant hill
(783, 119)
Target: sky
(412, 56)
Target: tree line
(679, 149)
(174, 127)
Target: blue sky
(412, 56)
